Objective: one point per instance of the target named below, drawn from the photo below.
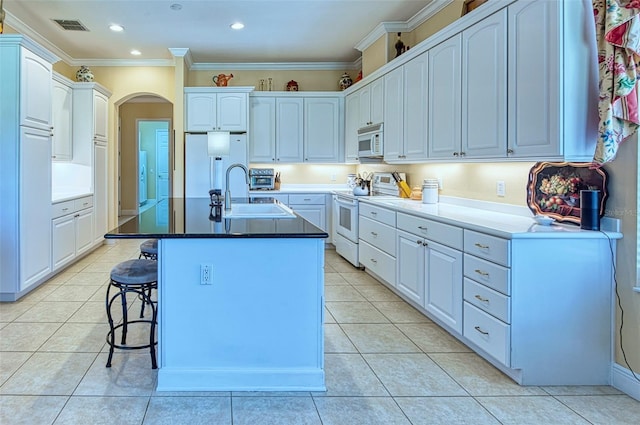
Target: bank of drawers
(60, 209)
(378, 234)
(487, 290)
(377, 237)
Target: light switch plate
(500, 188)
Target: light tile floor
(385, 364)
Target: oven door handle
(346, 202)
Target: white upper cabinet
(351, 125)
(296, 128)
(444, 124)
(415, 112)
(393, 142)
(535, 78)
(484, 88)
(262, 129)
(100, 116)
(405, 111)
(371, 106)
(90, 120)
(62, 109)
(209, 110)
(322, 129)
(553, 87)
(35, 91)
(289, 129)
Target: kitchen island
(240, 301)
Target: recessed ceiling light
(237, 25)
(175, 6)
(116, 28)
(136, 52)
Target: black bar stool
(137, 277)
(148, 250)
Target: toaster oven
(261, 179)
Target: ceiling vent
(70, 24)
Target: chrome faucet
(227, 193)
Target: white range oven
(345, 214)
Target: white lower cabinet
(503, 296)
(443, 284)
(312, 207)
(72, 233)
(410, 266)
(428, 272)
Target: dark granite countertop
(194, 218)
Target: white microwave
(370, 142)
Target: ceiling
(276, 31)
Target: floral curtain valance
(618, 40)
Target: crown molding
(383, 28)
(278, 66)
(122, 62)
(183, 52)
(34, 37)
(427, 12)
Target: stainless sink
(259, 211)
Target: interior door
(162, 164)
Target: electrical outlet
(206, 274)
(333, 177)
(500, 188)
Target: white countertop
(511, 226)
(67, 194)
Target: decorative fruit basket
(554, 189)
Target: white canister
(430, 191)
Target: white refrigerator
(200, 169)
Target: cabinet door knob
(462, 154)
(509, 151)
(456, 154)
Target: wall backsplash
(472, 180)
(468, 180)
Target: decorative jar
(345, 81)
(84, 75)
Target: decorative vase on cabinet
(84, 75)
(345, 81)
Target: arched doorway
(145, 140)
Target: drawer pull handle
(375, 235)
(86, 203)
(306, 199)
(480, 330)
(423, 228)
(481, 273)
(374, 213)
(65, 209)
(484, 300)
(373, 261)
(479, 245)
